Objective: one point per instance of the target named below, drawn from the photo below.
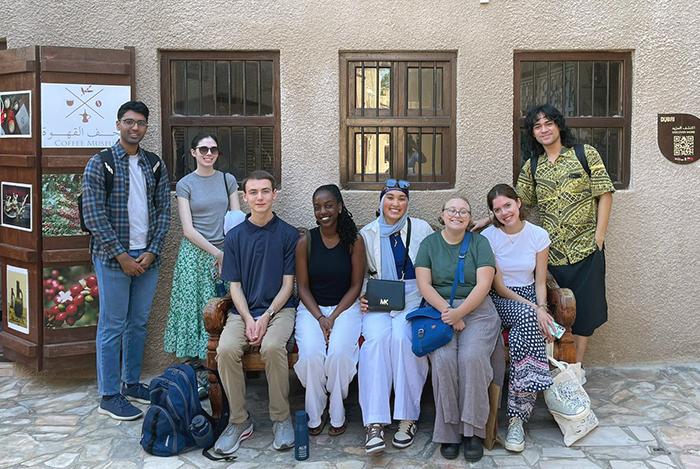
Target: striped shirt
(108, 221)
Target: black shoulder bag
(389, 295)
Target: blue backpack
(174, 404)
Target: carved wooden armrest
(215, 312)
(562, 305)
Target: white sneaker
(284, 434)
(405, 434)
(374, 438)
(515, 440)
(231, 438)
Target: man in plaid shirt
(128, 228)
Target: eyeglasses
(204, 150)
(400, 183)
(453, 211)
(131, 122)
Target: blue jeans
(125, 304)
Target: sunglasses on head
(400, 183)
(204, 150)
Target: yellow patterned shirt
(568, 201)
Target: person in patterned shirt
(574, 209)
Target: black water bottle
(301, 436)
(202, 431)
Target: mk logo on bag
(384, 302)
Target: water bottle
(202, 431)
(301, 436)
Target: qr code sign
(683, 145)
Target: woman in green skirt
(203, 198)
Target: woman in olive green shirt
(462, 369)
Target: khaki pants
(273, 352)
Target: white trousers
(386, 358)
(327, 369)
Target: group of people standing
(503, 284)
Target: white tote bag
(567, 387)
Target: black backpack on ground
(580, 154)
(107, 160)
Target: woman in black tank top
(330, 265)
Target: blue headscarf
(388, 262)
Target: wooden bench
(561, 301)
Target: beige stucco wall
(651, 245)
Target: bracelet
(543, 305)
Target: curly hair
(347, 229)
(550, 112)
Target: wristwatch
(271, 311)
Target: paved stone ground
(649, 418)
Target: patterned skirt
(529, 368)
(193, 286)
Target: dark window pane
(238, 152)
(208, 72)
(193, 88)
(570, 89)
(556, 84)
(527, 86)
(179, 83)
(541, 82)
(585, 135)
(184, 161)
(599, 140)
(615, 95)
(223, 87)
(600, 89)
(585, 75)
(525, 152)
(266, 88)
(252, 101)
(251, 147)
(420, 155)
(237, 97)
(223, 163)
(268, 154)
(612, 161)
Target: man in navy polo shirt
(259, 263)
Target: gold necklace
(513, 238)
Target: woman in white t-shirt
(520, 296)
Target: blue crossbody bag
(429, 332)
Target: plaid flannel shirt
(108, 221)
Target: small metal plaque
(677, 134)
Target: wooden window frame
(623, 122)
(168, 120)
(402, 119)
